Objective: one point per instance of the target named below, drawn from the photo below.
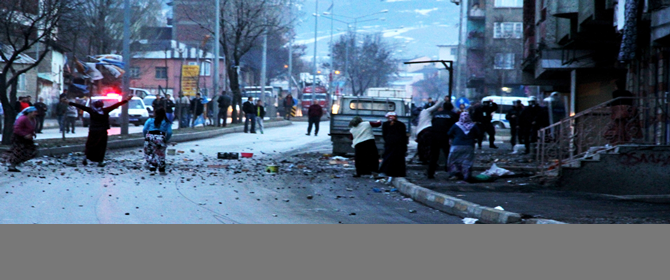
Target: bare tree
(434, 86)
(242, 25)
(24, 25)
(370, 64)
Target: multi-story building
(493, 48)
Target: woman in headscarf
(23, 146)
(157, 132)
(464, 135)
(366, 155)
(96, 144)
(395, 147)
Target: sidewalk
(523, 199)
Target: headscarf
(465, 123)
(355, 121)
(97, 107)
(391, 114)
(26, 111)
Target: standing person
(28, 100)
(314, 114)
(209, 110)
(23, 145)
(22, 104)
(158, 103)
(18, 105)
(61, 111)
(462, 108)
(363, 142)
(514, 117)
(482, 114)
(625, 124)
(157, 132)
(224, 103)
(184, 111)
(250, 115)
(288, 106)
(71, 117)
(464, 135)
(96, 144)
(423, 131)
(442, 122)
(197, 109)
(260, 114)
(41, 114)
(429, 104)
(169, 108)
(395, 147)
(2, 117)
(533, 118)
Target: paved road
(202, 189)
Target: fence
(626, 120)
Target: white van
(141, 93)
(505, 103)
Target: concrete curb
(131, 143)
(461, 208)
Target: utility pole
(316, 32)
(264, 68)
(215, 80)
(126, 61)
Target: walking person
(157, 133)
(314, 113)
(482, 115)
(250, 115)
(464, 135)
(41, 114)
(96, 143)
(442, 122)
(363, 142)
(395, 147)
(23, 145)
(224, 103)
(197, 109)
(184, 105)
(71, 117)
(260, 114)
(288, 106)
(61, 110)
(514, 117)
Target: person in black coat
(514, 117)
(41, 114)
(197, 108)
(395, 147)
(533, 118)
(96, 143)
(442, 122)
(250, 117)
(482, 115)
(224, 103)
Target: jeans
(314, 121)
(250, 118)
(259, 124)
(170, 116)
(61, 122)
(39, 125)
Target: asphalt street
(199, 188)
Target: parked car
(137, 112)
(505, 103)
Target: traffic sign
(463, 100)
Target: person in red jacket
(314, 113)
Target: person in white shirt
(423, 132)
(366, 155)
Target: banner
(189, 79)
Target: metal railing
(622, 121)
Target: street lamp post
(316, 32)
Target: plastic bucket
(272, 169)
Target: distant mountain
(416, 26)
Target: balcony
(477, 13)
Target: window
(454, 51)
(506, 30)
(161, 72)
(134, 72)
(372, 105)
(504, 61)
(21, 84)
(508, 3)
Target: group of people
(254, 114)
(157, 133)
(24, 102)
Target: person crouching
(366, 155)
(23, 146)
(157, 132)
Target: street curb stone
(131, 143)
(462, 208)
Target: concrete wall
(635, 170)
